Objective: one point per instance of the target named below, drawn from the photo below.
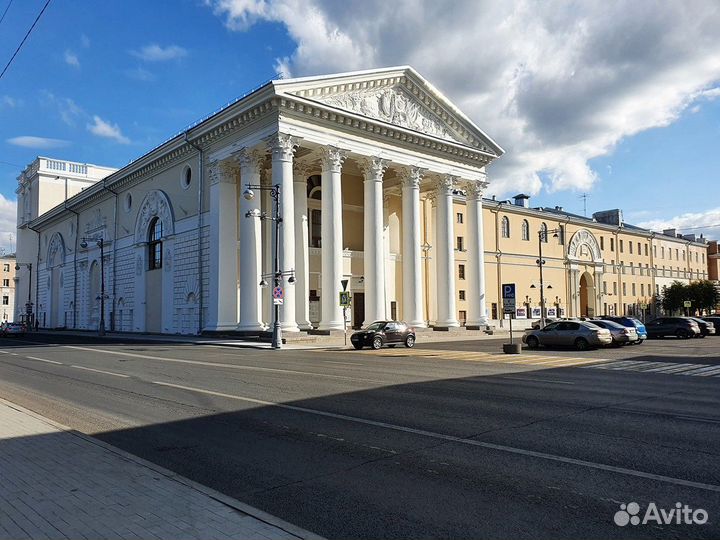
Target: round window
(186, 177)
(128, 202)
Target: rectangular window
(646, 250)
(642, 289)
(639, 251)
(459, 217)
(662, 252)
(634, 291)
(462, 317)
(602, 242)
(605, 287)
(622, 250)
(460, 243)
(677, 254)
(624, 289)
(461, 294)
(630, 244)
(6, 267)
(696, 258)
(6, 282)
(612, 244)
(461, 271)
(655, 251)
(6, 300)
(494, 310)
(615, 287)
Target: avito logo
(682, 514)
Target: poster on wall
(552, 312)
(521, 313)
(536, 313)
(561, 313)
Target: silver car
(579, 334)
(621, 335)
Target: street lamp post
(542, 237)
(101, 244)
(29, 302)
(276, 274)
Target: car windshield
(375, 326)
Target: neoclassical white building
(368, 165)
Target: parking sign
(508, 294)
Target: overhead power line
(25, 38)
(5, 12)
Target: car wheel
(533, 342)
(358, 346)
(682, 334)
(410, 341)
(377, 343)
(581, 344)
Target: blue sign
(508, 291)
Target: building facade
(379, 181)
(7, 290)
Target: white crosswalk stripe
(662, 368)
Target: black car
(715, 319)
(682, 327)
(381, 333)
(707, 328)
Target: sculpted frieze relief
(584, 245)
(156, 204)
(393, 106)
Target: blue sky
(600, 100)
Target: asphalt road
(452, 441)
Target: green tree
(674, 296)
(703, 295)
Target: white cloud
(42, 143)
(556, 84)
(101, 128)
(71, 59)
(69, 111)
(157, 53)
(84, 40)
(8, 102)
(140, 74)
(707, 223)
(8, 223)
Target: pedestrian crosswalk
(550, 361)
(667, 368)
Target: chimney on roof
(559, 208)
(691, 237)
(609, 217)
(522, 200)
(669, 232)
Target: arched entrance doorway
(587, 295)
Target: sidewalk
(58, 483)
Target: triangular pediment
(395, 96)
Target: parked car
(715, 319)
(548, 320)
(13, 329)
(681, 327)
(381, 333)
(579, 334)
(630, 322)
(707, 328)
(621, 335)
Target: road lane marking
(534, 380)
(101, 371)
(220, 364)
(44, 360)
(343, 363)
(459, 440)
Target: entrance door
(587, 295)
(358, 302)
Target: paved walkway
(57, 483)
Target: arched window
(505, 227)
(525, 230)
(543, 232)
(155, 244)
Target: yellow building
(592, 266)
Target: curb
(213, 494)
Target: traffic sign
(345, 298)
(508, 294)
(278, 293)
(687, 303)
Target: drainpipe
(114, 242)
(201, 178)
(75, 248)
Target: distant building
(7, 289)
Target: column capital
(249, 160)
(222, 172)
(445, 184)
(475, 190)
(282, 146)
(332, 158)
(301, 170)
(411, 176)
(373, 168)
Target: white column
(302, 256)
(222, 306)
(373, 250)
(412, 311)
(332, 238)
(268, 239)
(283, 147)
(446, 315)
(477, 314)
(250, 243)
